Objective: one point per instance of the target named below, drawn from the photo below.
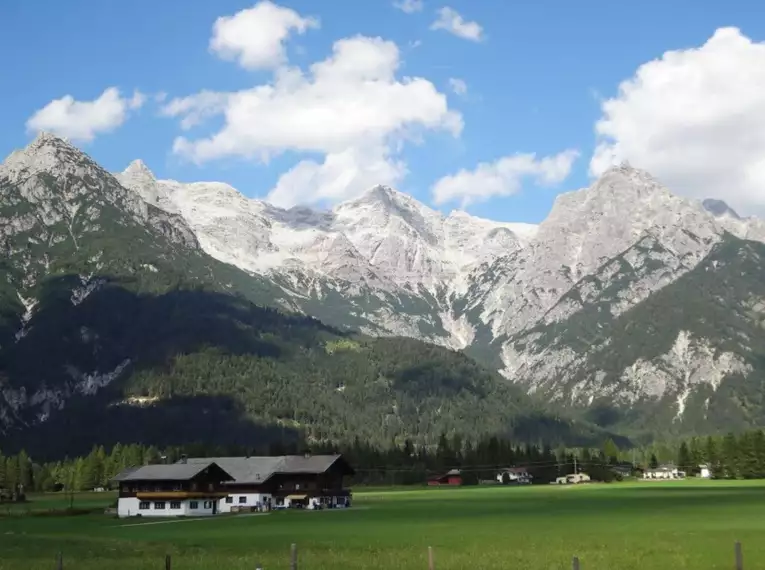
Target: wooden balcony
(178, 495)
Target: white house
(664, 472)
(174, 490)
(264, 483)
(514, 476)
(573, 479)
(704, 471)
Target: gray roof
(164, 472)
(259, 469)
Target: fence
(575, 564)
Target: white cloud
(255, 37)
(350, 107)
(503, 177)
(83, 120)
(458, 85)
(195, 109)
(451, 21)
(409, 6)
(137, 100)
(695, 118)
(341, 175)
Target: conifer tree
(684, 458)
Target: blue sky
(534, 82)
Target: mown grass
(610, 527)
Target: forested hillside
(116, 327)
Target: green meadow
(628, 526)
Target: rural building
(302, 481)
(180, 489)
(514, 475)
(704, 471)
(622, 469)
(573, 479)
(451, 478)
(667, 471)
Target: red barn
(452, 478)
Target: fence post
(575, 563)
(739, 556)
(168, 562)
(293, 557)
(60, 561)
(431, 559)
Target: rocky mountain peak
(138, 168)
(46, 153)
(384, 198)
(719, 209)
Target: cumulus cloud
(256, 37)
(409, 6)
(340, 176)
(451, 21)
(695, 118)
(503, 177)
(83, 120)
(458, 86)
(351, 108)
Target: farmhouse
(171, 490)
(452, 478)
(514, 475)
(264, 483)
(667, 471)
(573, 479)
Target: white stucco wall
(129, 507)
(251, 500)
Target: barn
(450, 478)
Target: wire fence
(576, 564)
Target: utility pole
(575, 471)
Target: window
(144, 505)
(194, 505)
(242, 500)
(175, 504)
(208, 505)
(229, 499)
(159, 505)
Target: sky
(490, 106)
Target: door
(215, 506)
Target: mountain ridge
(386, 265)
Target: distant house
(573, 479)
(171, 490)
(664, 472)
(622, 469)
(300, 481)
(452, 478)
(704, 471)
(514, 476)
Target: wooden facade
(171, 490)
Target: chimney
(184, 459)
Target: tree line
(729, 456)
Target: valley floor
(629, 526)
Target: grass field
(686, 525)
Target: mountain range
(627, 307)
